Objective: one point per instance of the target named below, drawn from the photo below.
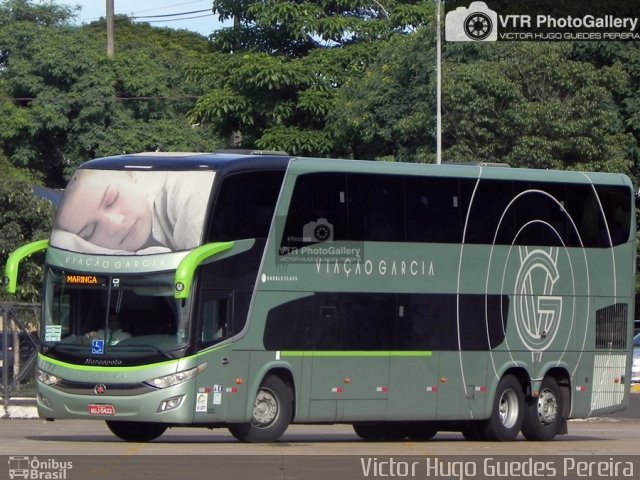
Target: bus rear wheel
(272, 411)
(136, 431)
(507, 414)
(543, 415)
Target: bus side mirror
(188, 265)
(10, 279)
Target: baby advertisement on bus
(132, 212)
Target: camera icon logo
(477, 23)
(319, 231)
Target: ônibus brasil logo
(38, 469)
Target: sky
(202, 22)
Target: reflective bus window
(244, 206)
(616, 203)
(318, 210)
(433, 210)
(376, 211)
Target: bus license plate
(102, 410)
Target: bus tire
(136, 431)
(543, 415)
(271, 414)
(474, 430)
(507, 413)
(420, 431)
(380, 431)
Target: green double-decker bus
(253, 291)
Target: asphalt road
(593, 448)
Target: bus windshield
(126, 316)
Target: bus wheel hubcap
(508, 408)
(547, 407)
(265, 411)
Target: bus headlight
(47, 378)
(176, 378)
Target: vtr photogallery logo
(537, 311)
(476, 23)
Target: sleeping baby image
(132, 212)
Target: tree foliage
(277, 72)
(534, 105)
(64, 101)
(23, 218)
(387, 111)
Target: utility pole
(438, 88)
(110, 41)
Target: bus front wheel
(543, 414)
(136, 431)
(507, 414)
(272, 411)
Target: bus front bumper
(173, 405)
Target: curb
(19, 407)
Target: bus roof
(308, 165)
(255, 160)
(187, 161)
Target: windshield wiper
(134, 347)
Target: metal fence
(19, 345)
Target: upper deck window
(329, 206)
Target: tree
(23, 218)
(532, 104)
(275, 73)
(388, 111)
(66, 102)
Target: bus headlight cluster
(47, 378)
(176, 378)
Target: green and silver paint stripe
(187, 267)
(351, 354)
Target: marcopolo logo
(474, 23)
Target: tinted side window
(433, 210)
(368, 321)
(318, 210)
(244, 206)
(426, 322)
(584, 208)
(385, 321)
(541, 218)
(616, 203)
(289, 326)
(376, 210)
(491, 220)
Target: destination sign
(86, 280)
